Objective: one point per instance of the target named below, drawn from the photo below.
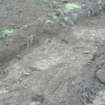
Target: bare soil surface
(50, 62)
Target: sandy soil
(53, 64)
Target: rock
(37, 100)
(64, 1)
(100, 75)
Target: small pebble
(100, 75)
(37, 98)
(64, 1)
(86, 52)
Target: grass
(6, 35)
(71, 6)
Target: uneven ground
(50, 62)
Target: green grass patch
(5, 33)
(71, 7)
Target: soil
(50, 62)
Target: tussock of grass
(6, 33)
(71, 6)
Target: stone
(100, 75)
(64, 1)
(37, 98)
